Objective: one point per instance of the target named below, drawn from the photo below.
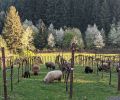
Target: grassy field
(91, 86)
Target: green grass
(91, 86)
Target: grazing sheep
(26, 74)
(35, 69)
(88, 69)
(65, 66)
(104, 67)
(50, 65)
(116, 65)
(53, 75)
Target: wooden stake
(11, 77)
(4, 73)
(119, 75)
(71, 74)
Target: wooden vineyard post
(95, 57)
(102, 70)
(119, 75)
(71, 73)
(109, 65)
(83, 61)
(97, 67)
(92, 63)
(4, 73)
(22, 67)
(97, 60)
(119, 79)
(19, 72)
(11, 77)
(30, 63)
(79, 59)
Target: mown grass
(91, 86)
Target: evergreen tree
(105, 17)
(115, 10)
(30, 10)
(2, 19)
(60, 13)
(50, 11)
(40, 39)
(12, 31)
(70, 13)
(96, 11)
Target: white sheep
(53, 75)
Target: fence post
(97, 60)
(18, 72)
(102, 66)
(119, 79)
(97, 68)
(109, 64)
(71, 74)
(11, 77)
(119, 75)
(4, 73)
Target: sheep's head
(45, 80)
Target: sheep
(26, 74)
(116, 65)
(50, 65)
(53, 75)
(88, 69)
(104, 67)
(35, 69)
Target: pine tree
(115, 9)
(2, 18)
(96, 11)
(30, 8)
(60, 13)
(12, 31)
(105, 16)
(40, 39)
(50, 11)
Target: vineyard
(103, 85)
